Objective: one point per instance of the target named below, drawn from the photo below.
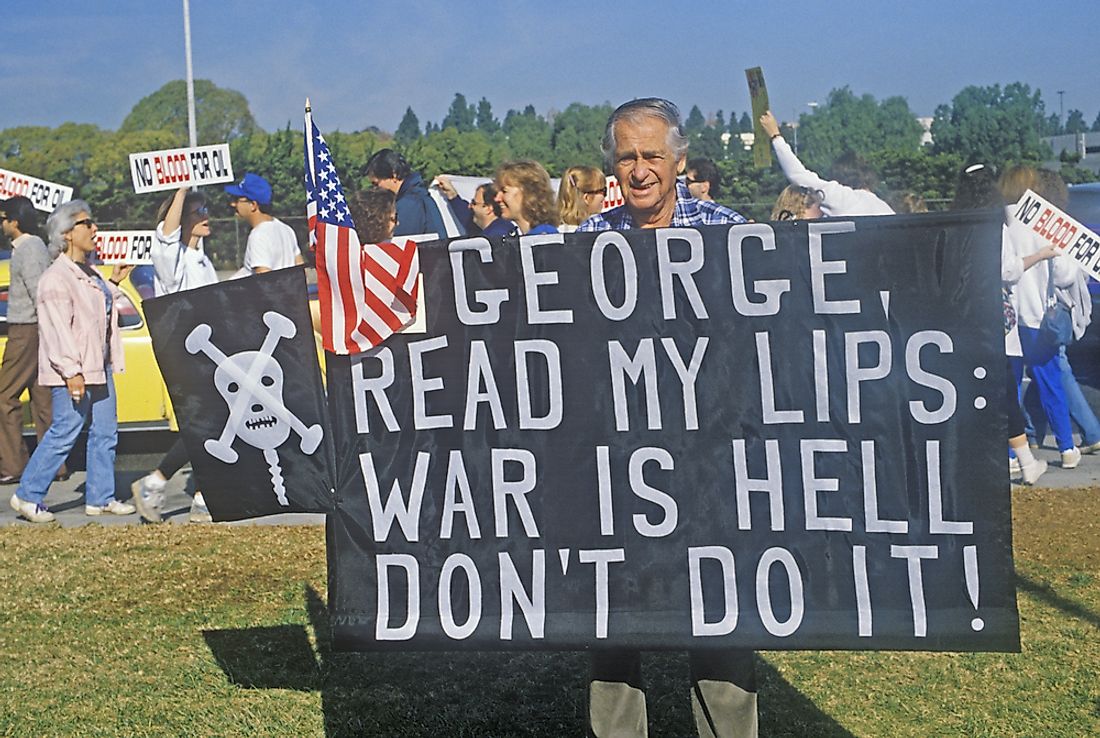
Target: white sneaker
(149, 497)
(199, 512)
(114, 507)
(32, 511)
(1071, 458)
(1031, 472)
(1091, 448)
(1013, 467)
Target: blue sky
(362, 63)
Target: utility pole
(1061, 110)
(191, 133)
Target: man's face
(481, 211)
(8, 225)
(645, 165)
(241, 206)
(389, 183)
(699, 188)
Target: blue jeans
(1079, 410)
(1042, 360)
(68, 420)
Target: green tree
(745, 124)
(856, 124)
(720, 121)
(451, 151)
(484, 121)
(1096, 123)
(409, 128)
(1075, 122)
(460, 115)
(930, 175)
(695, 121)
(220, 115)
(1052, 126)
(992, 125)
(528, 135)
(707, 143)
(350, 152)
(576, 137)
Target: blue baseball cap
(253, 186)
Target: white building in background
(1084, 145)
(926, 127)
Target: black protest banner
(775, 436)
(240, 362)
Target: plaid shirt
(689, 213)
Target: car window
(128, 315)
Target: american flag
(367, 292)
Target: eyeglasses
(201, 211)
(237, 200)
(690, 181)
(785, 215)
(84, 222)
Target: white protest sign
(45, 196)
(614, 196)
(124, 247)
(1057, 228)
(153, 171)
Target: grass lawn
(212, 630)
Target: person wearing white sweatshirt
(1039, 355)
(838, 199)
(180, 263)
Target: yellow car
(143, 402)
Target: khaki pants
(18, 372)
(723, 694)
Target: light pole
(1061, 110)
(192, 136)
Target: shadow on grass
(472, 693)
(1047, 594)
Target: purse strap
(1050, 284)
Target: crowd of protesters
(64, 345)
(63, 342)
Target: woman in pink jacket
(79, 347)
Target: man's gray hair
(62, 220)
(651, 107)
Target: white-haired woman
(79, 348)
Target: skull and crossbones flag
(239, 359)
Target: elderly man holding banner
(645, 143)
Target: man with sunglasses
(703, 179)
(271, 242)
(480, 216)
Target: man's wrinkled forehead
(650, 133)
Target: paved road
(66, 499)
(136, 457)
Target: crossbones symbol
(251, 383)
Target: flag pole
(309, 142)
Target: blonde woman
(797, 203)
(526, 198)
(580, 196)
